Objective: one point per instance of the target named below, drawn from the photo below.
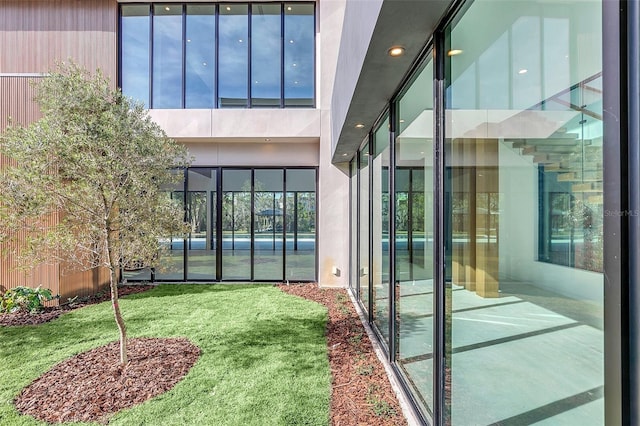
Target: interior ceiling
(408, 23)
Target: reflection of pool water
(244, 243)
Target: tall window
(218, 55)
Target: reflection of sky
(167, 61)
(233, 60)
(265, 56)
(135, 58)
(200, 61)
(233, 66)
(299, 79)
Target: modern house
(469, 169)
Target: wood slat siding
(34, 35)
(16, 101)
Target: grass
(263, 362)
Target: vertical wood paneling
(16, 101)
(34, 34)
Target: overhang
(367, 76)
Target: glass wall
(233, 59)
(518, 294)
(268, 237)
(135, 51)
(363, 225)
(524, 152)
(299, 58)
(245, 225)
(201, 214)
(380, 228)
(300, 220)
(200, 54)
(266, 54)
(167, 56)
(227, 55)
(414, 236)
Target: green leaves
(97, 163)
(25, 299)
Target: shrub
(25, 299)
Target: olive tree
(98, 165)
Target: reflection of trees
(197, 204)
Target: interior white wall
(518, 230)
(253, 154)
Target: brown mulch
(92, 386)
(361, 392)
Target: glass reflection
(268, 237)
(299, 47)
(524, 309)
(414, 236)
(363, 223)
(236, 225)
(135, 50)
(266, 47)
(200, 56)
(167, 56)
(300, 225)
(233, 58)
(201, 214)
(380, 225)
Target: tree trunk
(116, 311)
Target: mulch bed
(92, 386)
(361, 392)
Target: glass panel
(167, 56)
(266, 55)
(200, 56)
(353, 278)
(364, 226)
(380, 224)
(233, 59)
(172, 266)
(299, 54)
(134, 60)
(236, 224)
(268, 228)
(524, 309)
(414, 237)
(301, 225)
(201, 213)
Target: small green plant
(25, 299)
(356, 339)
(364, 369)
(380, 407)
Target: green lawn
(263, 362)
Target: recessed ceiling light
(345, 154)
(204, 64)
(454, 52)
(289, 8)
(402, 120)
(295, 82)
(240, 41)
(167, 8)
(267, 139)
(522, 71)
(295, 65)
(290, 41)
(188, 40)
(396, 51)
(228, 8)
(359, 126)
